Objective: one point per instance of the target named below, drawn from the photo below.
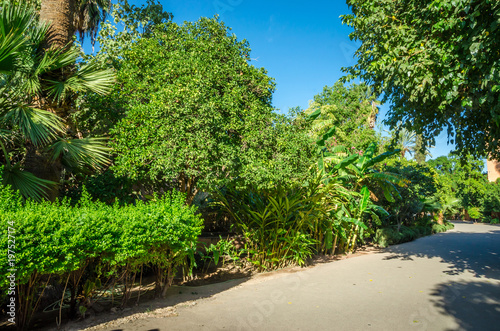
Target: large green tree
(196, 113)
(461, 178)
(437, 62)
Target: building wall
(493, 170)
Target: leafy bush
(275, 224)
(415, 198)
(62, 241)
(436, 228)
(490, 203)
(474, 213)
(494, 221)
(391, 236)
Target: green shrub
(387, 236)
(275, 223)
(436, 228)
(391, 236)
(474, 213)
(60, 240)
(494, 221)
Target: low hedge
(391, 236)
(64, 242)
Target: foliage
(437, 228)
(350, 111)
(416, 197)
(275, 224)
(59, 240)
(200, 122)
(474, 213)
(223, 251)
(437, 63)
(391, 236)
(460, 178)
(490, 202)
(30, 91)
(97, 114)
(450, 206)
(360, 170)
(284, 156)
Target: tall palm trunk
(60, 13)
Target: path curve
(448, 281)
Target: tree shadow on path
(474, 305)
(476, 251)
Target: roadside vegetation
(113, 164)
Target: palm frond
(26, 183)
(6, 135)
(14, 21)
(88, 78)
(89, 15)
(39, 126)
(78, 153)
(92, 78)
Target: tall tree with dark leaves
(437, 62)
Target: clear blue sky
(303, 45)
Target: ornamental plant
(91, 241)
(197, 112)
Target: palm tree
(31, 137)
(409, 142)
(68, 17)
(406, 141)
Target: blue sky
(303, 45)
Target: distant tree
(436, 63)
(351, 111)
(461, 178)
(420, 151)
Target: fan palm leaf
(25, 182)
(14, 21)
(78, 153)
(39, 126)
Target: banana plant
(361, 171)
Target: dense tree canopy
(437, 62)
(460, 179)
(197, 113)
(350, 110)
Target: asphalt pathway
(448, 281)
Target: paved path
(449, 281)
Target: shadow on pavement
(474, 305)
(159, 307)
(475, 251)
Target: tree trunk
(441, 218)
(60, 13)
(419, 150)
(466, 215)
(40, 165)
